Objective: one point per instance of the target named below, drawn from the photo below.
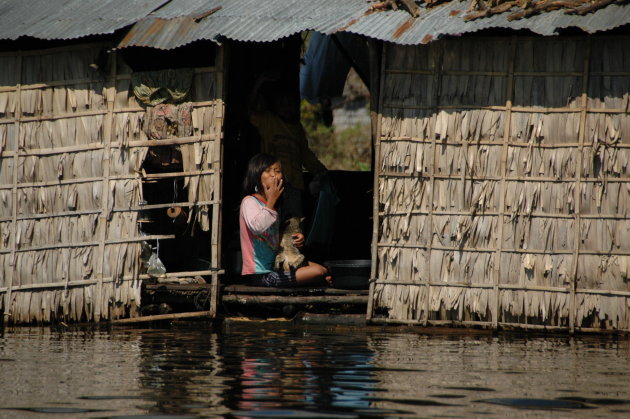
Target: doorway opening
(339, 142)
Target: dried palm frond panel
(606, 161)
(503, 165)
(539, 232)
(605, 199)
(537, 161)
(458, 231)
(404, 229)
(407, 301)
(468, 159)
(536, 269)
(72, 146)
(529, 197)
(404, 194)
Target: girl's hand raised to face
(273, 190)
(272, 183)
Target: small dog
(289, 257)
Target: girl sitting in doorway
(259, 229)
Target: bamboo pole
(53, 117)
(456, 248)
(515, 214)
(92, 244)
(13, 258)
(186, 274)
(294, 299)
(501, 108)
(105, 215)
(540, 179)
(614, 293)
(131, 144)
(129, 209)
(173, 141)
(493, 143)
(578, 188)
(515, 109)
(437, 86)
(490, 286)
(377, 65)
(160, 317)
(101, 146)
(105, 280)
(217, 165)
(502, 185)
(143, 176)
(251, 289)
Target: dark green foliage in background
(342, 149)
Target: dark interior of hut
(352, 223)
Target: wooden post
(16, 161)
(578, 187)
(377, 64)
(502, 188)
(217, 166)
(437, 86)
(108, 128)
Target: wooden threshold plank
(289, 299)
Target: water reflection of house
(500, 139)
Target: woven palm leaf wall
(71, 149)
(504, 183)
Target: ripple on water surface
(255, 369)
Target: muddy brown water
(269, 370)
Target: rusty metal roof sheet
(70, 19)
(448, 19)
(183, 21)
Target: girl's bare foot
(328, 280)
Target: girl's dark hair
(255, 168)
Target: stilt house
(501, 146)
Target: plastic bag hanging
(155, 267)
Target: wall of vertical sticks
(71, 151)
(504, 183)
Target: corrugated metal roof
(169, 24)
(263, 21)
(70, 19)
(447, 19)
(241, 20)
